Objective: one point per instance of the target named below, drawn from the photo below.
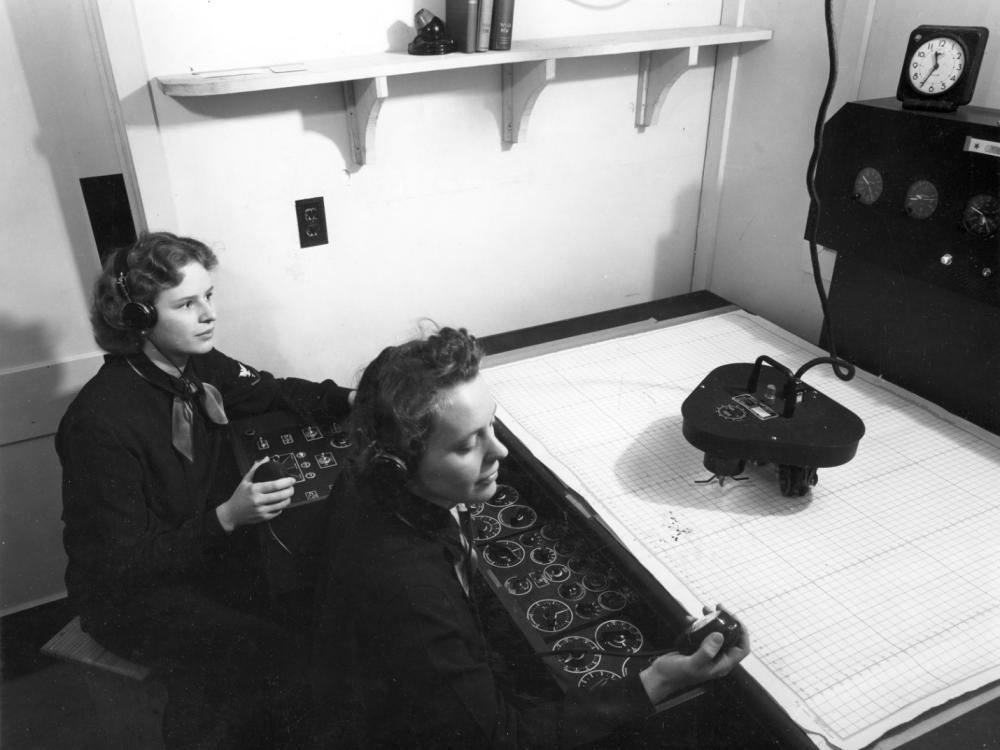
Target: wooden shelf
(525, 70)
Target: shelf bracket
(363, 99)
(658, 71)
(520, 85)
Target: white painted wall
(585, 214)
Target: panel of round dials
(582, 590)
(980, 215)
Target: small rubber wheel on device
(796, 481)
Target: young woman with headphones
(164, 565)
(399, 642)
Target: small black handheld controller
(718, 621)
(268, 472)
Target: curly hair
(399, 393)
(151, 264)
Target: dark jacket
(396, 628)
(137, 513)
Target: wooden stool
(129, 702)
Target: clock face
(936, 65)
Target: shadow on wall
(38, 29)
(673, 264)
(321, 107)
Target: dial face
(556, 573)
(981, 215)
(936, 65)
(503, 553)
(485, 528)
(868, 186)
(505, 495)
(597, 677)
(571, 590)
(543, 555)
(550, 615)
(518, 585)
(578, 657)
(613, 601)
(921, 199)
(518, 516)
(619, 635)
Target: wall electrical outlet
(311, 217)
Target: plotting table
(871, 600)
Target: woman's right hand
(674, 672)
(254, 502)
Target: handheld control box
(268, 472)
(719, 621)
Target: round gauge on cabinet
(981, 215)
(868, 186)
(921, 199)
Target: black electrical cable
(841, 368)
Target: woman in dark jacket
(399, 638)
(164, 561)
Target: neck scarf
(185, 390)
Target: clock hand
(933, 68)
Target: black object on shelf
(432, 36)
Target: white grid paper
(871, 600)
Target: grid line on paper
(890, 554)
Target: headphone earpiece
(136, 316)
(389, 468)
